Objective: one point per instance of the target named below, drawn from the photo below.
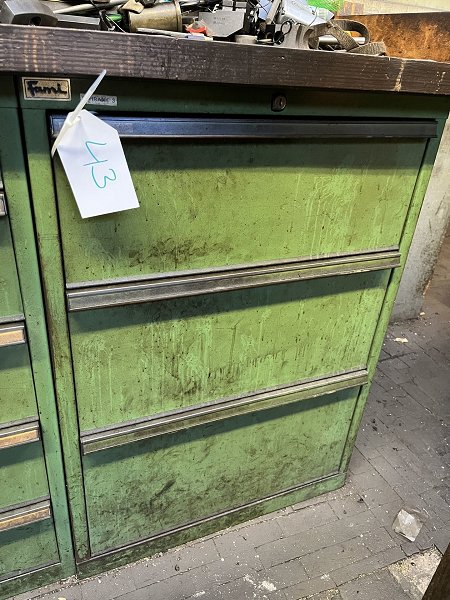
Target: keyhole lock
(279, 102)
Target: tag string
(73, 116)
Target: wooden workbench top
(72, 52)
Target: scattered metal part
(78, 22)
(133, 6)
(330, 40)
(27, 12)
(223, 23)
(286, 23)
(164, 16)
(88, 7)
(245, 39)
(175, 34)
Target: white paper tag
(92, 156)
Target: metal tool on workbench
(27, 12)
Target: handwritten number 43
(95, 164)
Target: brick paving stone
(288, 573)
(202, 579)
(396, 370)
(308, 518)
(234, 544)
(313, 501)
(377, 540)
(174, 562)
(267, 531)
(69, 588)
(359, 464)
(347, 506)
(308, 588)
(108, 585)
(327, 595)
(326, 560)
(368, 565)
(409, 548)
(299, 545)
(225, 570)
(440, 507)
(441, 538)
(374, 488)
(246, 588)
(380, 586)
(386, 514)
(71, 593)
(395, 476)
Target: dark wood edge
(65, 52)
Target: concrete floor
(340, 546)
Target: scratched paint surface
(210, 204)
(27, 547)
(17, 397)
(143, 488)
(10, 301)
(144, 359)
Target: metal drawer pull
(11, 335)
(24, 515)
(3, 211)
(133, 431)
(197, 127)
(17, 434)
(178, 285)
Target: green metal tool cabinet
(35, 539)
(212, 351)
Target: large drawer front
(208, 203)
(152, 486)
(146, 359)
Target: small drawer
(22, 466)
(27, 538)
(18, 400)
(10, 298)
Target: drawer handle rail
(11, 335)
(133, 431)
(19, 433)
(196, 127)
(131, 291)
(3, 211)
(25, 514)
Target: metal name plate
(101, 100)
(46, 89)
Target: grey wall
(429, 235)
